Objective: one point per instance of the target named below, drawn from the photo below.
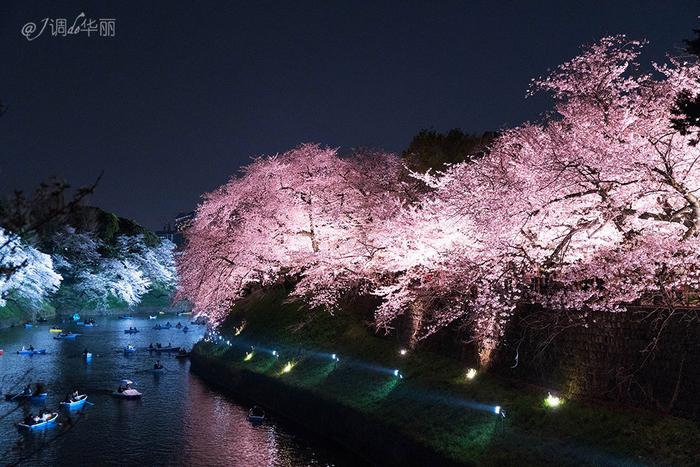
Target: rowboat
(127, 394)
(130, 331)
(76, 403)
(55, 330)
(129, 349)
(152, 317)
(49, 419)
(31, 352)
(26, 397)
(28, 325)
(87, 356)
(125, 391)
(89, 325)
(68, 336)
(125, 317)
(256, 415)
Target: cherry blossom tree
(599, 199)
(305, 214)
(101, 276)
(27, 274)
(593, 208)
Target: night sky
(186, 92)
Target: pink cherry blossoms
(599, 201)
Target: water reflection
(179, 421)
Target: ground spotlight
(403, 352)
(248, 356)
(552, 401)
(471, 373)
(288, 367)
(398, 374)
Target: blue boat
(76, 403)
(28, 325)
(34, 398)
(125, 317)
(89, 325)
(31, 352)
(66, 336)
(131, 331)
(49, 420)
(76, 317)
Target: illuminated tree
(305, 214)
(25, 273)
(100, 276)
(591, 209)
(599, 200)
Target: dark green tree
(432, 150)
(687, 108)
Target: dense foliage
(593, 208)
(79, 257)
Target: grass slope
(435, 404)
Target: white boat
(152, 317)
(125, 391)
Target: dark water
(179, 421)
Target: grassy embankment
(14, 313)
(435, 404)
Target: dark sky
(186, 92)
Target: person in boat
(150, 346)
(157, 365)
(121, 388)
(85, 352)
(170, 346)
(75, 395)
(27, 390)
(39, 389)
(68, 399)
(31, 348)
(158, 345)
(29, 419)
